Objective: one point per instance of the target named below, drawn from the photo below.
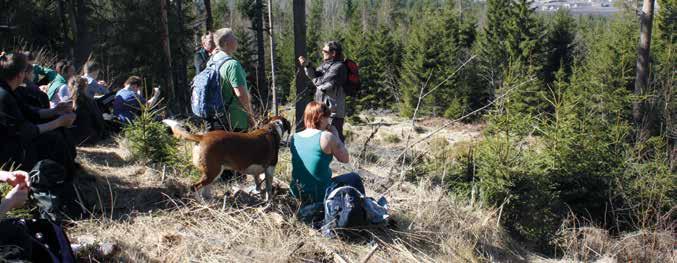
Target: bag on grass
(344, 209)
(53, 194)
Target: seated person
(24, 141)
(129, 100)
(95, 87)
(31, 94)
(48, 74)
(20, 234)
(89, 126)
(58, 89)
(11, 233)
(312, 151)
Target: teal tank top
(310, 174)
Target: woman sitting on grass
(312, 151)
(89, 126)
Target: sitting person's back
(311, 174)
(89, 126)
(129, 102)
(312, 151)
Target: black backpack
(343, 211)
(52, 192)
(39, 240)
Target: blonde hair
(222, 37)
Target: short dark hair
(62, 65)
(12, 65)
(336, 47)
(92, 66)
(134, 80)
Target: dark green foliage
(577, 156)
(314, 31)
(560, 41)
(429, 62)
(493, 56)
(246, 54)
(128, 41)
(148, 138)
(524, 35)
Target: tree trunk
(68, 43)
(643, 57)
(168, 90)
(209, 20)
(299, 9)
(83, 45)
(273, 87)
(181, 80)
(261, 55)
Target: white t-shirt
(61, 95)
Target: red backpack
(354, 83)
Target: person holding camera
(312, 151)
(329, 78)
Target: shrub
(148, 139)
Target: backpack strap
(218, 65)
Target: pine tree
(430, 58)
(313, 40)
(246, 54)
(560, 45)
(387, 62)
(524, 35)
(493, 56)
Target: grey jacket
(329, 79)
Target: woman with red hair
(312, 151)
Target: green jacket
(38, 70)
(55, 85)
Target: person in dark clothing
(329, 79)
(24, 141)
(89, 126)
(31, 94)
(203, 53)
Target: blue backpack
(207, 99)
(344, 210)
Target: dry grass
(589, 243)
(150, 215)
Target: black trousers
(338, 123)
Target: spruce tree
(524, 34)
(430, 58)
(559, 45)
(314, 30)
(493, 56)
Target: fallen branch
(337, 257)
(371, 253)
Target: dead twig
(409, 146)
(371, 253)
(363, 152)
